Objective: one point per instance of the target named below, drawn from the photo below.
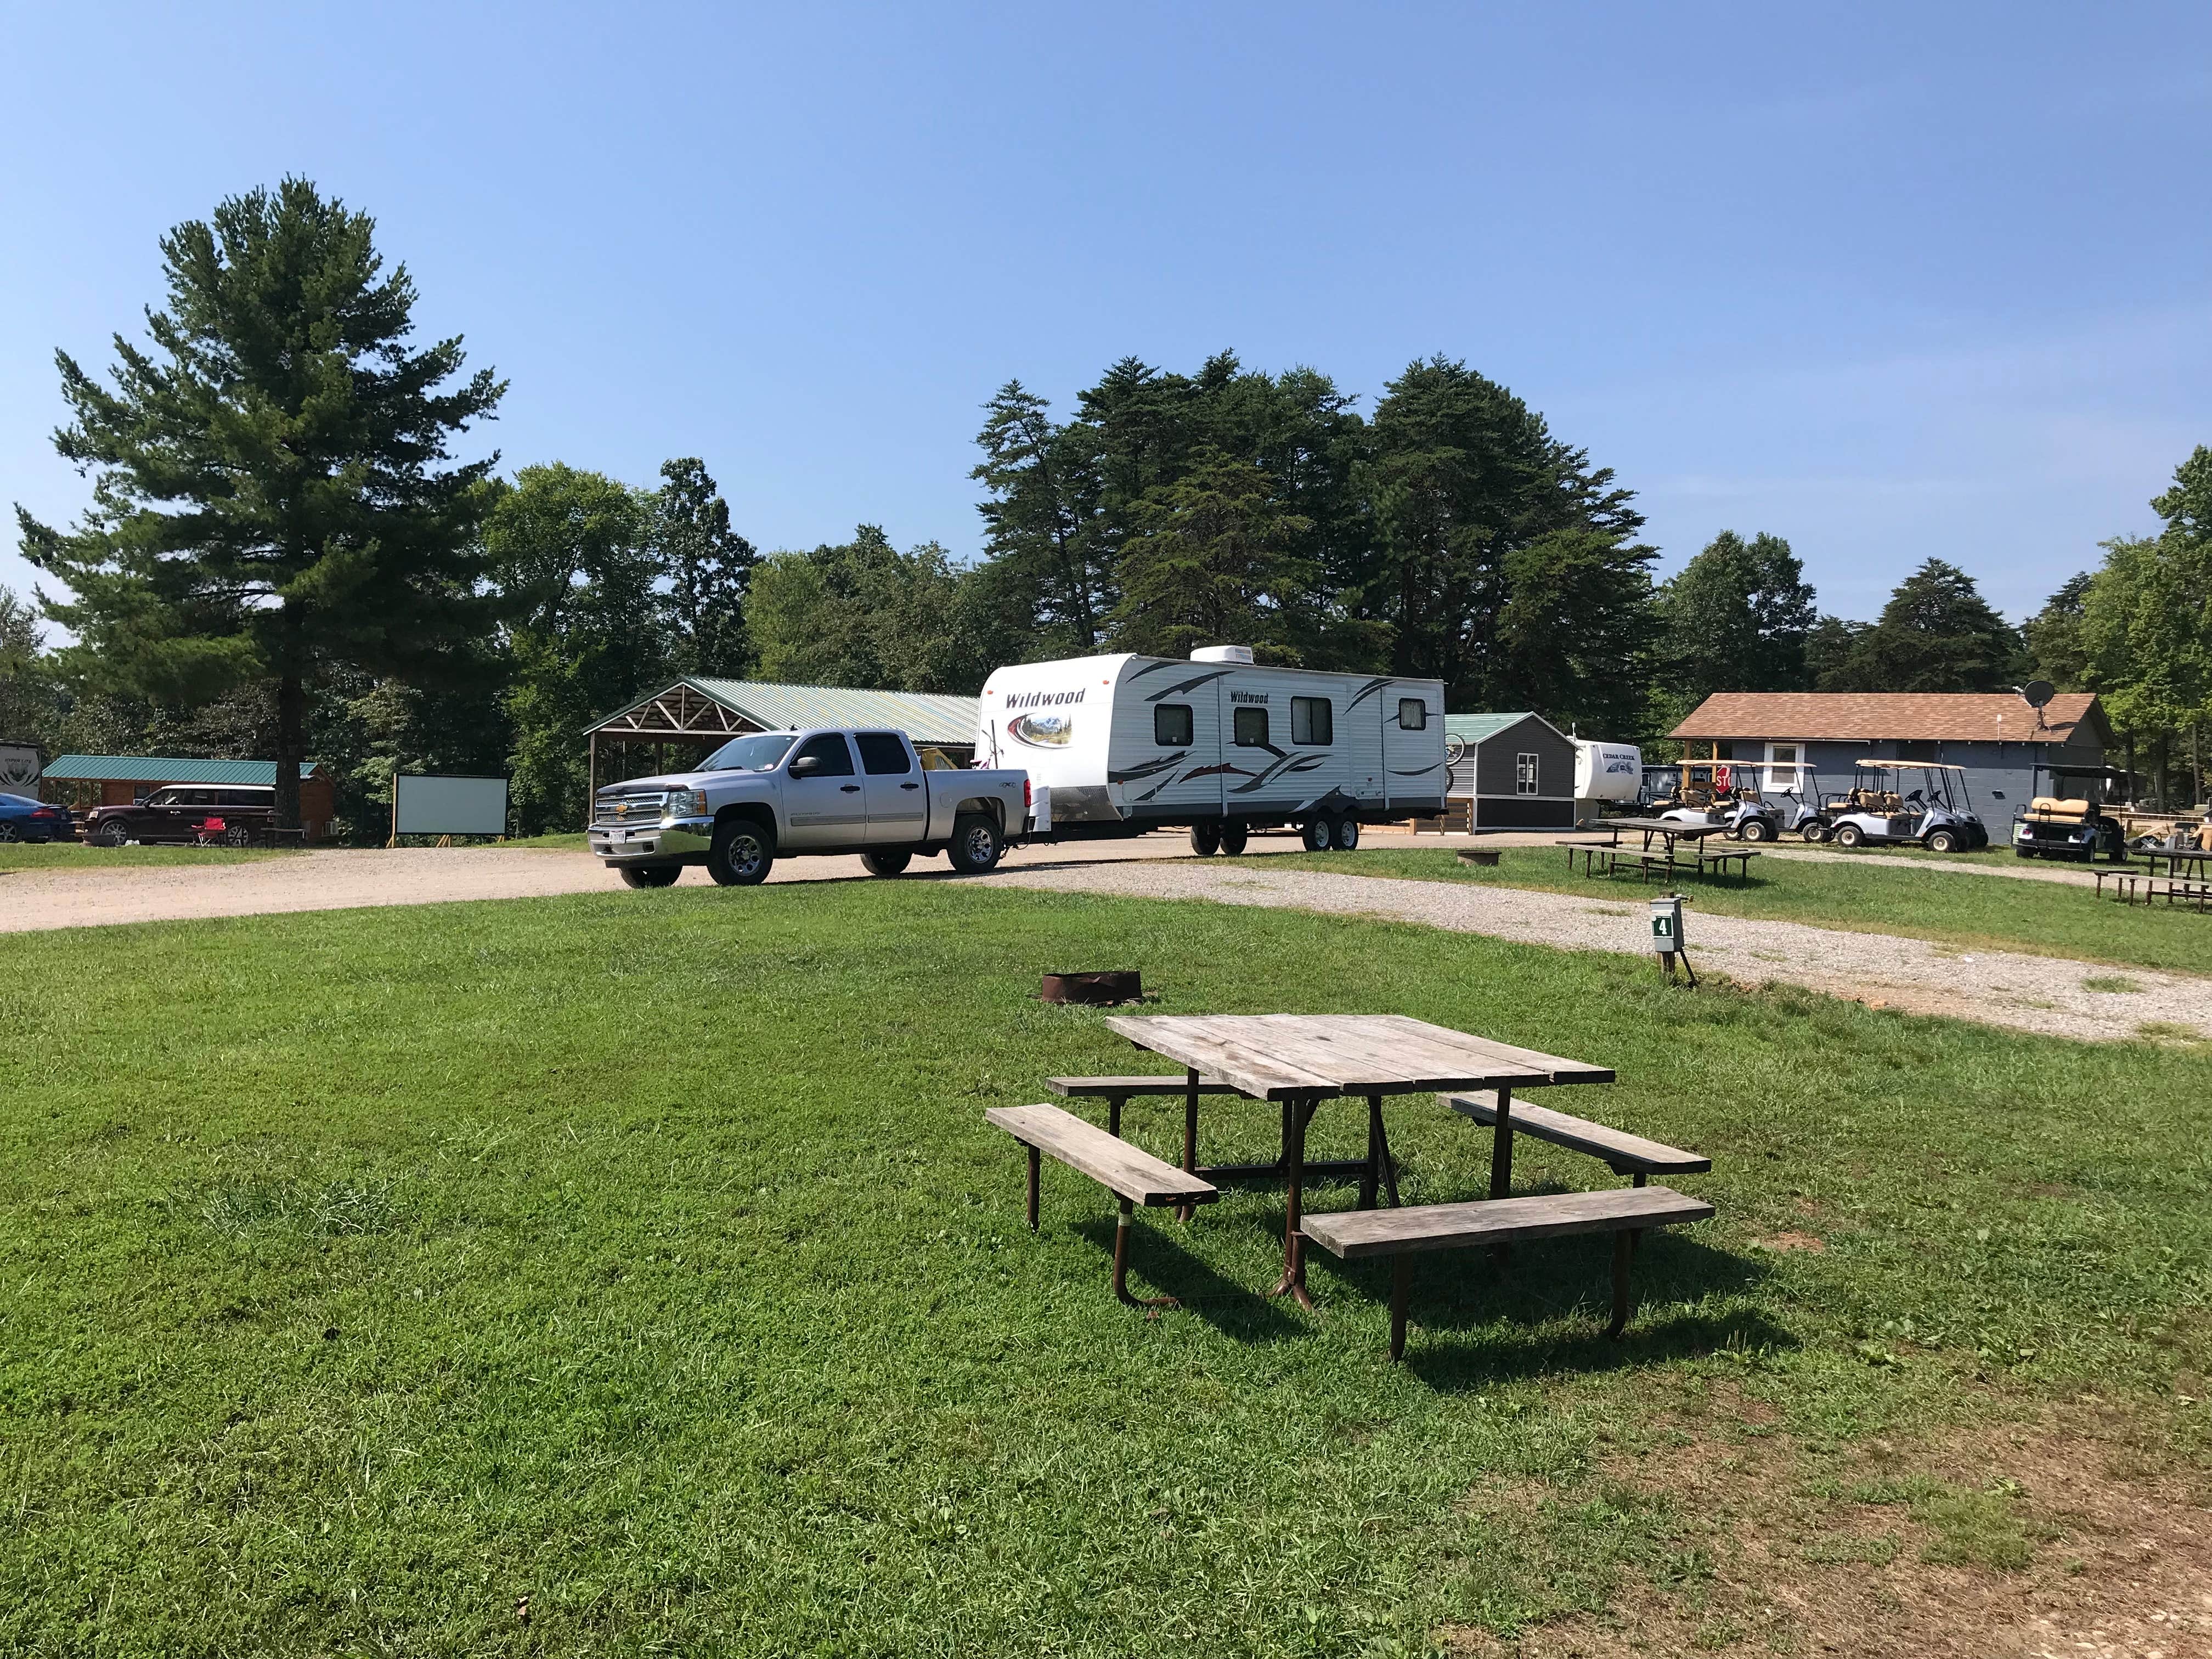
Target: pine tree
(271, 500)
(709, 567)
(1936, 633)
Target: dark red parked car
(233, 814)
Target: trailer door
(1168, 751)
(1413, 746)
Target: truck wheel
(112, 834)
(651, 875)
(1317, 835)
(1942, 841)
(975, 845)
(1347, 834)
(1205, 839)
(742, 854)
(1757, 829)
(1233, 835)
(885, 864)
(1849, 835)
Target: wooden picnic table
(1648, 863)
(1302, 1060)
(2174, 858)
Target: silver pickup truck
(772, 794)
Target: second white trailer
(1126, 744)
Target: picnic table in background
(1667, 831)
(1302, 1060)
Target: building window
(1251, 724)
(1313, 721)
(1412, 714)
(1171, 726)
(1524, 775)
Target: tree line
(282, 556)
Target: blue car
(22, 818)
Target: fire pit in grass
(1100, 990)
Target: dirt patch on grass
(1791, 1240)
(2025, 1542)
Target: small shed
(82, 781)
(1514, 771)
(697, 714)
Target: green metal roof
(925, 716)
(165, 768)
(1474, 728)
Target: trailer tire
(1346, 834)
(1317, 835)
(886, 864)
(651, 875)
(976, 845)
(1849, 835)
(1206, 838)
(1233, 838)
(1757, 829)
(742, 855)
(1942, 841)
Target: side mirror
(805, 764)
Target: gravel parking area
(2043, 994)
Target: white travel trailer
(1605, 775)
(1118, 746)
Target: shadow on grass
(1455, 1292)
(1157, 1257)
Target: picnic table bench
(1666, 860)
(1131, 1174)
(1623, 1211)
(1621, 1152)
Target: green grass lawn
(640, 1263)
(76, 855)
(1973, 912)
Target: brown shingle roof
(1875, 716)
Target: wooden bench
(1117, 1090)
(1131, 1174)
(1624, 1153)
(1742, 856)
(1623, 1211)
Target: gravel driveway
(2029, 994)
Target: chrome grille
(628, 812)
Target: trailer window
(1524, 775)
(1171, 726)
(1412, 714)
(1313, 721)
(882, 754)
(1251, 724)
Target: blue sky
(1891, 282)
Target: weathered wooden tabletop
(1293, 1056)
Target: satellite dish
(2036, 693)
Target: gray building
(1995, 736)
(1513, 771)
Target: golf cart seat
(2074, 807)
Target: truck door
(891, 784)
(824, 805)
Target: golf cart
(2063, 825)
(1894, 802)
(1716, 792)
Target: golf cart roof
(1908, 766)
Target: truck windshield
(760, 752)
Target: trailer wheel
(742, 854)
(975, 847)
(1316, 834)
(1756, 829)
(1347, 834)
(1233, 834)
(885, 864)
(652, 875)
(1849, 835)
(1206, 838)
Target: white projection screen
(448, 806)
